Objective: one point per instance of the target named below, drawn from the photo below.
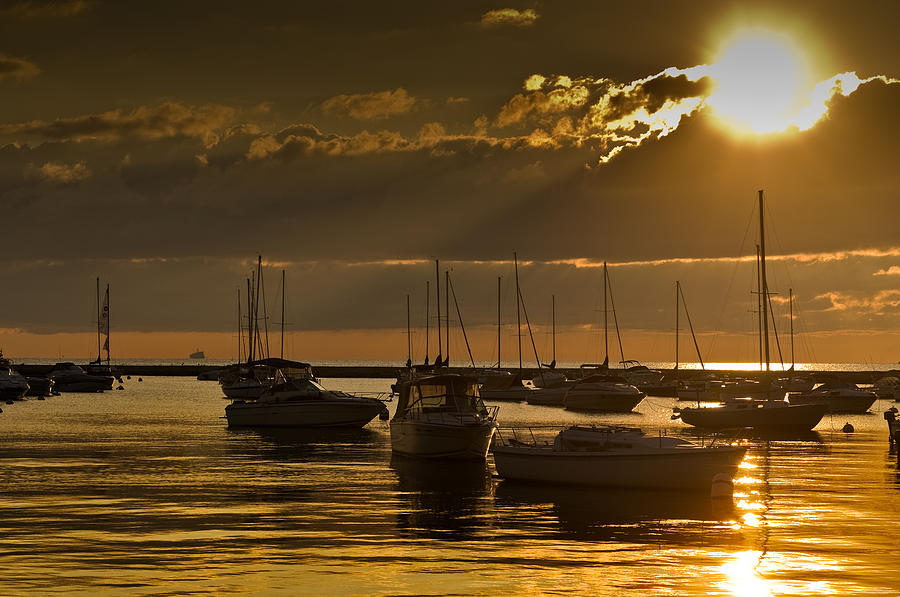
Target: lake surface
(147, 492)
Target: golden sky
(161, 146)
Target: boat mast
(759, 308)
(691, 327)
(437, 295)
(791, 311)
(447, 313)
(765, 286)
(250, 341)
(282, 314)
(427, 316)
(106, 323)
(408, 336)
(553, 327)
(605, 321)
(677, 313)
(265, 310)
(518, 310)
(240, 326)
(99, 323)
(499, 359)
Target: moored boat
(606, 393)
(756, 414)
(442, 416)
(838, 397)
(298, 400)
(616, 457)
(13, 386)
(69, 377)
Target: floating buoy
(140, 379)
(129, 377)
(9, 401)
(847, 428)
(722, 486)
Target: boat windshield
(446, 396)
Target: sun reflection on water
(742, 576)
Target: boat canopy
(439, 391)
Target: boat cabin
(453, 394)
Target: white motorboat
(771, 415)
(13, 386)
(887, 387)
(442, 416)
(549, 388)
(249, 381)
(838, 397)
(504, 388)
(606, 393)
(69, 377)
(617, 457)
(301, 402)
(701, 390)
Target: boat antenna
(265, 309)
(437, 294)
(518, 310)
(759, 307)
(553, 328)
(427, 316)
(605, 319)
(461, 324)
(250, 342)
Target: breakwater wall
(382, 372)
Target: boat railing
(452, 416)
(381, 396)
(544, 435)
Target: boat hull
(602, 402)
(790, 417)
(547, 396)
(507, 395)
(425, 439)
(850, 405)
(83, 385)
(318, 413)
(675, 469)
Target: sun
(760, 83)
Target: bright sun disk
(759, 83)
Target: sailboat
(772, 413)
(603, 391)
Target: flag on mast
(104, 316)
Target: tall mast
(553, 325)
(499, 359)
(106, 324)
(427, 316)
(250, 341)
(677, 313)
(791, 307)
(98, 320)
(240, 325)
(518, 310)
(759, 307)
(408, 336)
(605, 320)
(447, 314)
(282, 314)
(437, 295)
(265, 310)
(765, 285)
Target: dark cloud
(16, 68)
(46, 9)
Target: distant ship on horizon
(198, 355)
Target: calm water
(146, 492)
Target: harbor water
(146, 491)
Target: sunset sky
(163, 145)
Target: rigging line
(461, 324)
(691, 326)
(612, 303)
(530, 335)
(717, 328)
(775, 329)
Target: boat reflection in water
(451, 501)
(631, 515)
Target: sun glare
(760, 81)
